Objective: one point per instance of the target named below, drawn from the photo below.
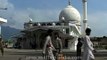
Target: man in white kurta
(88, 46)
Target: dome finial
(69, 2)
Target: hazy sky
(48, 10)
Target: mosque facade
(68, 27)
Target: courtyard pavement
(21, 54)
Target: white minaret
(84, 15)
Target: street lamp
(3, 8)
(2, 20)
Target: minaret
(84, 15)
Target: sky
(19, 11)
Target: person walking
(1, 46)
(88, 46)
(48, 46)
(58, 47)
(79, 45)
(58, 43)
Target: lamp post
(3, 8)
(2, 20)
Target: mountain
(7, 32)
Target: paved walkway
(16, 54)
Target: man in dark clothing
(1, 46)
(79, 45)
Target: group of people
(84, 41)
(48, 46)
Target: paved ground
(16, 54)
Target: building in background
(99, 42)
(68, 27)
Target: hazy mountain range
(8, 32)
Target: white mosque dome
(69, 14)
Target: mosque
(68, 27)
